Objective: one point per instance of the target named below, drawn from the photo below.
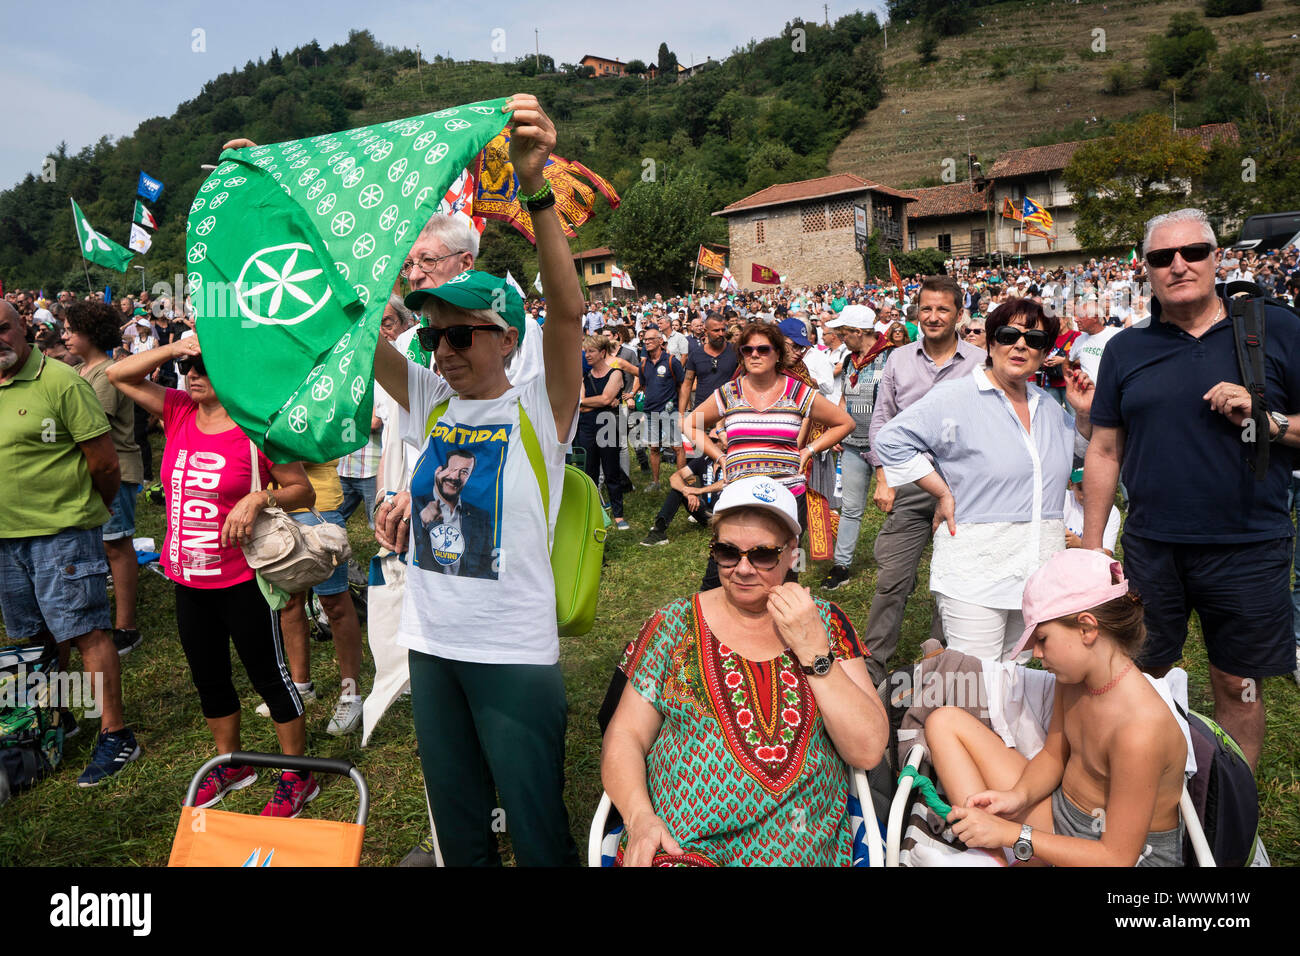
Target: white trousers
(988, 633)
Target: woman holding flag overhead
(479, 618)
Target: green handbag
(578, 547)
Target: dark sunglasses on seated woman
(194, 362)
(459, 337)
(763, 558)
(1010, 335)
(1164, 258)
(748, 350)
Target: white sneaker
(347, 715)
(307, 695)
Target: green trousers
(484, 728)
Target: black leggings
(607, 456)
(142, 439)
(208, 620)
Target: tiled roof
(783, 193)
(956, 199)
(600, 252)
(1045, 159)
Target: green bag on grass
(578, 546)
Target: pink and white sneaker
(222, 780)
(292, 793)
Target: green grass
(131, 820)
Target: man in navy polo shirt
(661, 377)
(1202, 533)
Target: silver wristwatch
(1282, 423)
(1023, 848)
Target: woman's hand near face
(797, 622)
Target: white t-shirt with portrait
(499, 607)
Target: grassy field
(131, 820)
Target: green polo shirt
(46, 410)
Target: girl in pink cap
(1104, 789)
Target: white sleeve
(1111, 534)
(425, 389)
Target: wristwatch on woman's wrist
(270, 499)
(821, 665)
(1023, 848)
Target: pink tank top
(203, 477)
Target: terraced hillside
(906, 139)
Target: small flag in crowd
(1034, 212)
(1009, 211)
(765, 275)
(510, 281)
(537, 283)
(895, 278)
(108, 295)
(143, 216)
(496, 194)
(148, 187)
(728, 283)
(310, 235)
(97, 247)
(459, 201)
(1133, 256)
(619, 279)
(140, 239)
(708, 259)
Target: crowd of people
(995, 410)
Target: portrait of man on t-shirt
(455, 503)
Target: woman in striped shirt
(764, 415)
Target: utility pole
(826, 12)
(418, 74)
(537, 54)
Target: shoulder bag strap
(533, 448)
(1248, 335)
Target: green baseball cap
(477, 290)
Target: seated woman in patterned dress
(743, 706)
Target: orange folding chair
(220, 838)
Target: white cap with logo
(760, 491)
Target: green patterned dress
(743, 772)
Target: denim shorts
(337, 582)
(55, 582)
(121, 524)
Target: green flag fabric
(293, 250)
(97, 247)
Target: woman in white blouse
(1003, 450)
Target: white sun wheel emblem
(295, 294)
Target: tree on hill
(1185, 46)
(659, 224)
(667, 61)
(637, 68)
(1120, 182)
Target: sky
(73, 71)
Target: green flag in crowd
(293, 250)
(97, 247)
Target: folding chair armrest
(248, 758)
(898, 809)
(875, 845)
(597, 832)
(1194, 832)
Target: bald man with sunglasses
(1204, 533)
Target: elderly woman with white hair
(487, 692)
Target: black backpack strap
(1248, 334)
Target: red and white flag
(619, 279)
(459, 201)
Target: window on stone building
(813, 217)
(758, 231)
(597, 268)
(841, 213)
(945, 242)
(911, 241)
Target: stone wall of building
(793, 245)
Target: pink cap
(1073, 580)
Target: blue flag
(108, 295)
(148, 187)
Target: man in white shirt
(1089, 346)
(675, 343)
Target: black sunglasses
(763, 558)
(459, 337)
(1195, 252)
(755, 349)
(1010, 335)
(195, 363)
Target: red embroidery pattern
(770, 748)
